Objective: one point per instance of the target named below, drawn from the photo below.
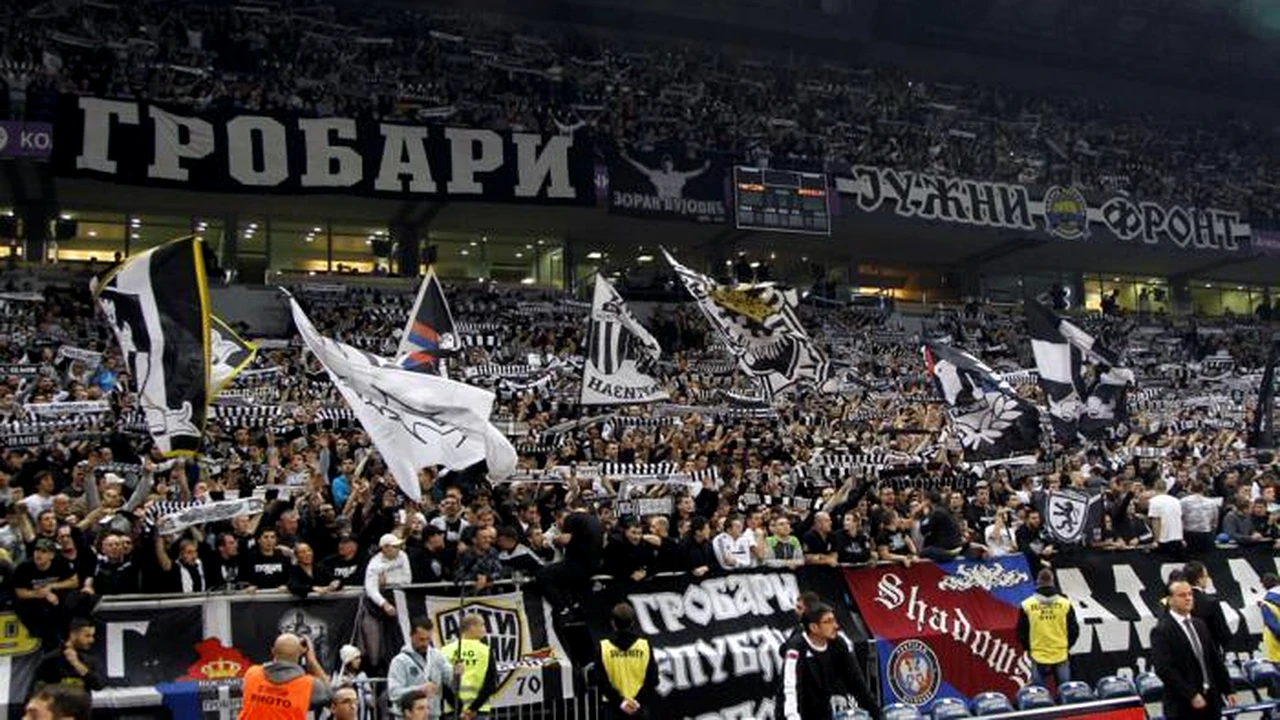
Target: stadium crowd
(869, 474)
(370, 60)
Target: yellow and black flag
(228, 354)
(157, 303)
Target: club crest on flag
(1067, 515)
(621, 354)
(985, 576)
(914, 674)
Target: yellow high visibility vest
(474, 656)
(1048, 628)
(625, 668)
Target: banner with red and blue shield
(945, 630)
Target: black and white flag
(158, 305)
(759, 326)
(1262, 433)
(415, 420)
(1107, 405)
(1072, 516)
(989, 417)
(620, 354)
(1061, 348)
(228, 354)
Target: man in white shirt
(388, 569)
(733, 547)
(1200, 516)
(1165, 513)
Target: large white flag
(414, 419)
(619, 350)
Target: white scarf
(188, 583)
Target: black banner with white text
(667, 185)
(144, 144)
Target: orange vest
(265, 700)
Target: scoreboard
(781, 200)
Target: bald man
(287, 687)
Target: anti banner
(667, 185)
(532, 666)
(137, 143)
(945, 630)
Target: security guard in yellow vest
(625, 669)
(475, 673)
(1047, 628)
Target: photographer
(288, 686)
(999, 537)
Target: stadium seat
(947, 708)
(900, 711)
(1262, 673)
(1239, 681)
(1076, 691)
(1034, 696)
(990, 703)
(1114, 686)
(1150, 687)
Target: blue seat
(1150, 687)
(1262, 673)
(1114, 686)
(1034, 696)
(855, 714)
(947, 708)
(990, 703)
(900, 711)
(1076, 691)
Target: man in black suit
(1205, 606)
(1187, 660)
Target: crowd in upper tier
(424, 64)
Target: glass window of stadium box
(507, 260)
(1133, 294)
(212, 232)
(149, 231)
(1218, 298)
(9, 245)
(298, 246)
(903, 285)
(253, 249)
(354, 248)
(96, 236)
